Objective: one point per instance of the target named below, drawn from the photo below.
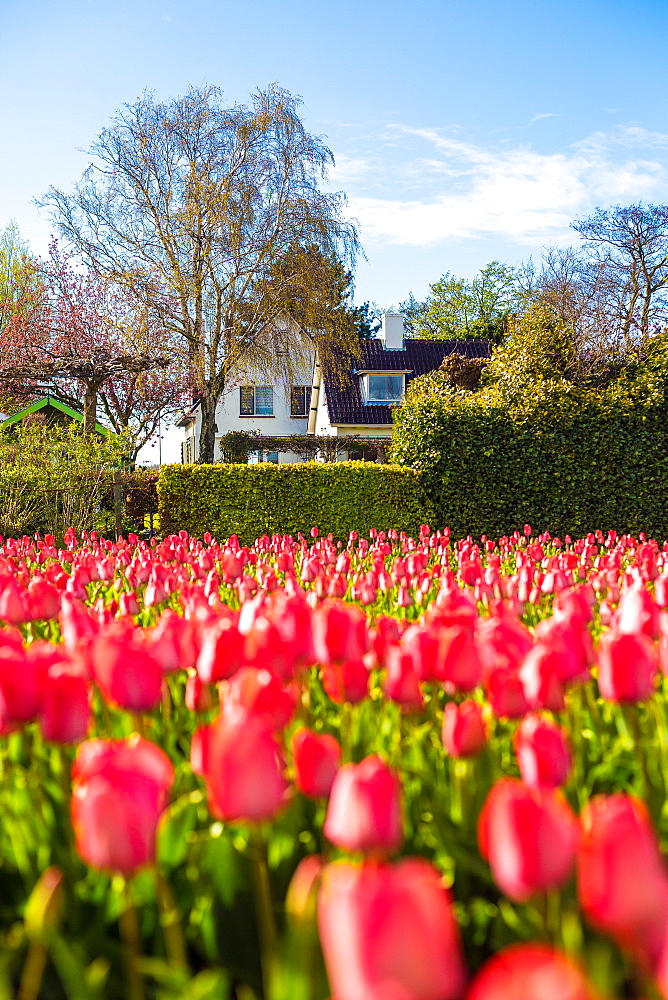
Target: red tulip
(505, 693)
(124, 669)
(530, 972)
(262, 694)
(622, 884)
(317, 758)
(120, 790)
(13, 608)
(626, 667)
(401, 681)
(464, 731)
(529, 836)
(339, 632)
(459, 665)
(22, 680)
(198, 695)
(541, 674)
(347, 681)
(221, 651)
(637, 612)
(388, 932)
(364, 812)
(543, 752)
(243, 769)
(65, 713)
(43, 600)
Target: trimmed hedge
(252, 500)
(563, 458)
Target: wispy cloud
(459, 189)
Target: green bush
(53, 478)
(560, 456)
(251, 500)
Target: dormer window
(383, 388)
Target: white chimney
(392, 331)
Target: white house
(253, 405)
(316, 404)
(362, 406)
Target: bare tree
(627, 248)
(200, 201)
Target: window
(256, 401)
(300, 400)
(384, 388)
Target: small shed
(54, 412)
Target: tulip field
(387, 769)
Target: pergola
(92, 370)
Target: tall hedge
(556, 455)
(251, 500)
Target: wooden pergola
(92, 370)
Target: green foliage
(557, 455)
(537, 347)
(53, 478)
(459, 309)
(250, 500)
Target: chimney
(392, 331)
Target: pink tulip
(622, 884)
(242, 766)
(317, 758)
(464, 731)
(364, 812)
(388, 932)
(530, 972)
(529, 836)
(120, 790)
(543, 752)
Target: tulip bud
(388, 932)
(317, 758)
(531, 972)
(529, 836)
(464, 731)
(119, 792)
(364, 812)
(543, 752)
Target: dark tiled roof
(418, 357)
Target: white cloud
(463, 190)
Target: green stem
(33, 970)
(171, 924)
(265, 915)
(131, 937)
(346, 721)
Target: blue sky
(463, 131)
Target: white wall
(229, 418)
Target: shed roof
(49, 402)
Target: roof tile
(345, 405)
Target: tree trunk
(90, 410)
(207, 436)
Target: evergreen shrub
(252, 500)
(566, 458)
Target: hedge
(252, 500)
(560, 457)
